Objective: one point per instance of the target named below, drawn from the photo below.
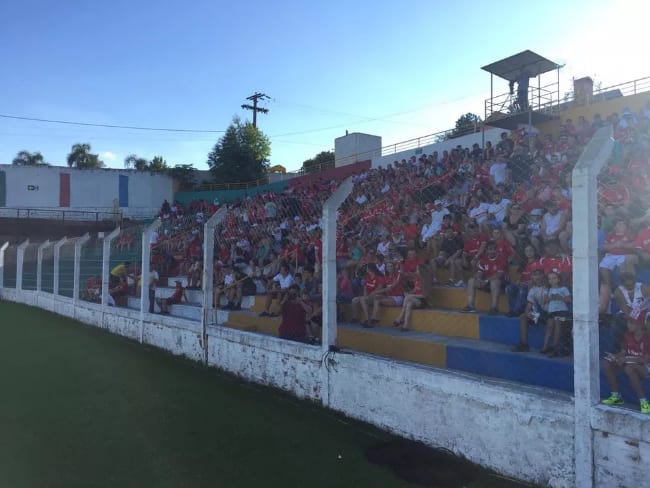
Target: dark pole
(255, 97)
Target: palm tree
(25, 158)
(132, 161)
(81, 157)
(158, 165)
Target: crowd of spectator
(493, 218)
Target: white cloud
(107, 155)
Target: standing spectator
(535, 313)
(558, 299)
(633, 359)
(294, 315)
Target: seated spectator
(277, 289)
(553, 225)
(555, 262)
(194, 274)
(178, 296)
(497, 210)
(392, 295)
(558, 299)
(473, 247)
(633, 299)
(535, 312)
(633, 359)
(449, 257)
(490, 276)
(374, 284)
(517, 292)
(620, 252)
(413, 298)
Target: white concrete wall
(522, 432)
(39, 187)
(492, 134)
(356, 147)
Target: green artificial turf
(83, 408)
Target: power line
(110, 126)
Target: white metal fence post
(330, 209)
(3, 248)
(145, 271)
(106, 263)
(585, 300)
(20, 259)
(78, 243)
(207, 281)
(57, 259)
(39, 263)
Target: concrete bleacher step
(456, 298)
(185, 310)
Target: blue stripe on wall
(124, 191)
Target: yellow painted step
(441, 322)
(396, 347)
(456, 299)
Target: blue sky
(395, 69)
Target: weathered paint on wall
(523, 432)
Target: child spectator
(517, 292)
(557, 300)
(535, 313)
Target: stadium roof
(509, 68)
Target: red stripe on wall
(64, 189)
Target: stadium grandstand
(453, 255)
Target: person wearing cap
(178, 296)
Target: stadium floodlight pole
(39, 264)
(145, 271)
(586, 374)
(3, 248)
(328, 224)
(106, 262)
(57, 258)
(20, 259)
(208, 312)
(78, 243)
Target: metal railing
(627, 88)
(61, 215)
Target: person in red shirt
(474, 243)
(294, 316)
(642, 244)
(393, 293)
(490, 275)
(374, 283)
(411, 262)
(177, 297)
(554, 262)
(619, 247)
(634, 360)
(413, 298)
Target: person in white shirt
(498, 172)
(437, 214)
(477, 211)
(278, 287)
(497, 210)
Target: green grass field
(84, 408)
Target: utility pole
(254, 98)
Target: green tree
(133, 161)
(241, 155)
(80, 157)
(158, 165)
(25, 158)
(468, 123)
(185, 175)
(323, 160)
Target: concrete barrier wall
(522, 432)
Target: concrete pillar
(20, 259)
(585, 300)
(145, 270)
(106, 263)
(3, 248)
(208, 276)
(328, 225)
(78, 244)
(39, 263)
(57, 258)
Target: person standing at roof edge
(522, 89)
